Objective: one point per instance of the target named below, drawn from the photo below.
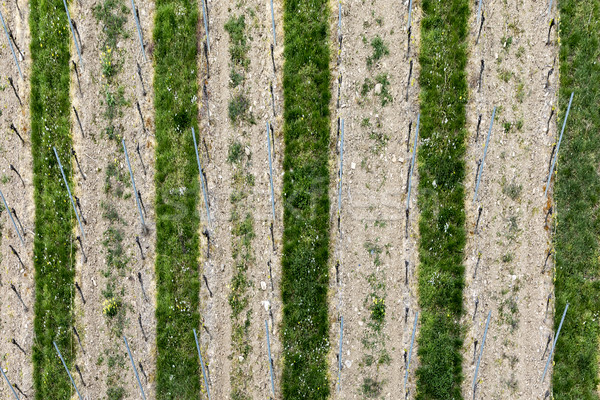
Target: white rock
(348, 363)
(353, 165)
(267, 305)
(378, 88)
(263, 285)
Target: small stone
(360, 323)
(353, 165)
(394, 158)
(267, 305)
(348, 363)
(378, 88)
(263, 285)
(247, 150)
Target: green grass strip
(305, 255)
(441, 197)
(577, 193)
(54, 245)
(177, 188)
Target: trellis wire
(487, 142)
(412, 163)
(481, 350)
(273, 20)
(341, 168)
(409, 13)
(202, 364)
(555, 340)
(139, 29)
(558, 145)
(201, 177)
(340, 355)
(135, 192)
(205, 17)
(270, 358)
(11, 218)
(9, 384)
(67, 369)
(134, 368)
(270, 169)
(73, 32)
(10, 44)
(69, 191)
(412, 341)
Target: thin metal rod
(270, 169)
(139, 29)
(340, 355)
(69, 191)
(134, 368)
(550, 7)
(339, 18)
(412, 163)
(558, 145)
(67, 369)
(481, 350)
(487, 142)
(555, 340)
(9, 384)
(11, 218)
(341, 169)
(409, 14)
(273, 20)
(479, 12)
(204, 189)
(270, 359)
(412, 341)
(135, 192)
(202, 364)
(10, 44)
(73, 32)
(205, 17)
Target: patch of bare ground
(235, 161)
(16, 183)
(105, 94)
(507, 269)
(371, 287)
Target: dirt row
(103, 360)
(16, 322)
(506, 252)
(218, 134)
(370, 251)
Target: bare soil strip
(507, 269)
(370, 287)
(106, 106)
(16, 324)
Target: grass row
(177, 188)
(54, 245)
(576, 194)
(441, 197)
(305, 278)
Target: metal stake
(11, 46)
(555, 340)
(273, 20)
(202, 178)
(135, 192)
(69, 191)
(412, 163)
(340, 355)
(73, 32)
(270, 359)
(409, 13)
(9, 384)
(487, 142)
(558, 145)
(67, 369)
(202, 364)
(270, 169)
(134, 369)
(11, 218)
(205, 17)
(412, 341)
(139, 29)
(341, 169)
(481, 350)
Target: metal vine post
(270, 358)
(135, 192)
(412, 163)
(273, 20)
(558, 145)
(409, 14)
(341, 169)
(9, 384)
(487, 142)
(412, 341)
(73, 32)
(202, 364)
(270, 169)
(11, 218)
(481, 350)
(134, 369)
(67, 369)
(204, 189)
(139, 29)
(555, 340)
(10, 44)
(69, 191)
(340, 354)
(205, 17)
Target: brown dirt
(512, 239)
(95, 151)
(373, 196)
(16, 323)
(219, 133)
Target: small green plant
(236, 150)
(520, 95)
(520, 52)
(110, 307)
(506, 125)
(506, 42)
(512, 190)
(239, 109)
(378, 311)
(505, 75)
(506, 258)
(371, 388)
(238, 49)
(380, 49)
